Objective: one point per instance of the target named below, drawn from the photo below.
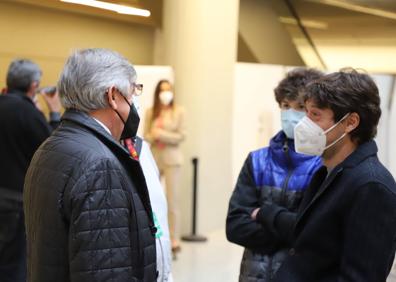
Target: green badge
(159, 233)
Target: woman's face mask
(166, 97)
(289, 119)
(310, 138)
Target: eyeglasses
(137, 89)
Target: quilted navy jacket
(272, 174)
(87, 210)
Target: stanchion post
(193, 237)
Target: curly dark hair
(293, 85)
(349, 91)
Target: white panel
(256, 116)
(392, 135)
(149, 76)
(385, 84)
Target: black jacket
(87, 209)
(346, 226)
(22, 129)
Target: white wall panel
(385, 85)
(392, 135)
(149, 76)
(256, 116)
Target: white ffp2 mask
(166, 97)
(310, 138)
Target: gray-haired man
(22, 129)
(88, 213)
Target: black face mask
(131, 125)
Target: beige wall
(48, 36)
(200, 40)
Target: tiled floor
(214, 261)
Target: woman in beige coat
(164, 130)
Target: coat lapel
(361, 153)
(322, 188)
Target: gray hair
(21, 73)
(89, 73)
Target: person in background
(345, 228)
(23, 128)
(164, 130)
(274, 174)
(87, 208)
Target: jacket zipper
(140, 259)
(270, 272)
(289, 174)
(282, 198)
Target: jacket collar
(19, 94)
(16, 92)
(292, 159)
(361, 153)
(86, 121)
(321, 182)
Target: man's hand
(254, 213)
(52, 101)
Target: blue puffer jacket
(274, 174)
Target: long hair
(157, 102)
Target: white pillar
(200, 43)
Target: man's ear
(353, 122)
(112, 97)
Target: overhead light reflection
(357, 8)
(306, 23)
(121, 9)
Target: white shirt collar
(101, 124)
